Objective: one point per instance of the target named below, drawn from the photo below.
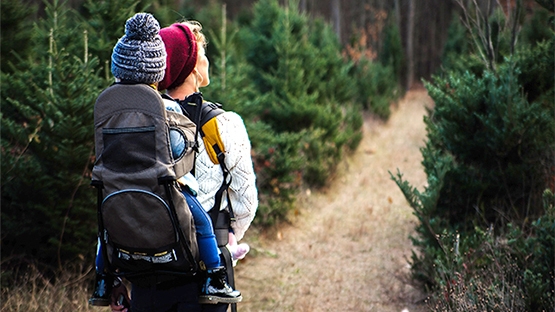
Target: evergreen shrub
(489, 160)
(304, 103)
(105, 21)
(377, 86)
(480, 271)
(16, 31)
(48, 207)
(375, 79)
(392, 55)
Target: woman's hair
(196, 29)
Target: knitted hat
(182, 50)
(140, 54)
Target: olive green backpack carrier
(144, 221)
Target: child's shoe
(216, 289)
(102, 290)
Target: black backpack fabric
(144, 221)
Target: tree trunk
(410, 44)
(398, 14)
(336, 17)
(432, 47)
(302, 6)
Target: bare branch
(478, 25)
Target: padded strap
(223, 188)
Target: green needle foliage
(305, 116)
(47, 144)
(488, 203)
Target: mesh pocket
(129, 150)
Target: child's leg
(215, 288)
(208, 248)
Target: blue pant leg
(208, 247)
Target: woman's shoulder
(232, 130)
(230, 118)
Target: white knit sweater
(242, 191)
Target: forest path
(347, 248)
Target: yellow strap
(211, 138)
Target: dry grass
(494, 288)
(497, 284)
(34, 292)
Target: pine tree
(106, 24)
(298, 68)
(16, 31)
(48, 210)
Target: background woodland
(301, 73)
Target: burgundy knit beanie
(182, 52)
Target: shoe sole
(216, 300)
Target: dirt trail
(347, 248)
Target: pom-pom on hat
(182, 50)
(140, 54)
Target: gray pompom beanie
(140, 55)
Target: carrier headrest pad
(128, 97)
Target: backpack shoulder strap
(210, 133)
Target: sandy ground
(347, 247)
